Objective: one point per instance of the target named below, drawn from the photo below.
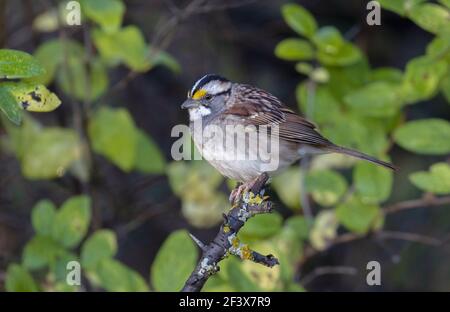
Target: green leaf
(294, 287)
(372, 183)
(17, 64)
(116, 277)
(293, 49)
(163, 58)
(174, 262)
(445, 87)
(177, 171)
(445, 2)
(357, 216)
(299, 225)
(439, 47)
(365, 134)
(299, 19)
(287, 186)
(22, 137)
(39, 252)
(377, 99)
(426, 136)
(83, 84)
(261, 226)
(324, 229)
(199, 176)
(9, 106)
(51, 152)
(422, 78)
(149, 158)
(328, 39)
(33, 97)
(72, 221)
(347, 54)
(204, 207)
(401, 7)
(238, 279)
(333, 49)
(114, 135)
(325, 186)
(217, 284)
(431, 17)
(320, 75)
(436, 181)
(46, 21)
(51, 55)
(18, 279)
(107, 13)
(42, 217)
(346, 79)
(59, 270)
(387, 74)
(126, 46)
(317, 103)
(100, 245)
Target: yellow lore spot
(199, 94)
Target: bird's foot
(237, 193)
(243, 192)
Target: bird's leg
(240, 190)
(236, 193)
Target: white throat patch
(198, 112)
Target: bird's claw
(237, 193)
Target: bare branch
(165, 31)
(427, 200)
(326, 270)
(411, 237)
(226, 241)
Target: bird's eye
(208, 97)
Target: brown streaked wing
(298, 129)
(258, 107)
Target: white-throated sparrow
(217, 102)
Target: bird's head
(207, 96)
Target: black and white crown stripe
(204, 80)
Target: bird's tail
(351, 152)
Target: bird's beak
(189, 103)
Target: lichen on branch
(226, 241)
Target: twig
(148, 212)
(320, 271)
(426, 200)
(164, 33)
(226, 241)
(411, 237)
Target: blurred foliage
(58, 234)
(18, 96)
(52, 152)
(352, 103)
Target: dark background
(238, 43)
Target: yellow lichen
(254, 199)
(246, 253)
(226, 229)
